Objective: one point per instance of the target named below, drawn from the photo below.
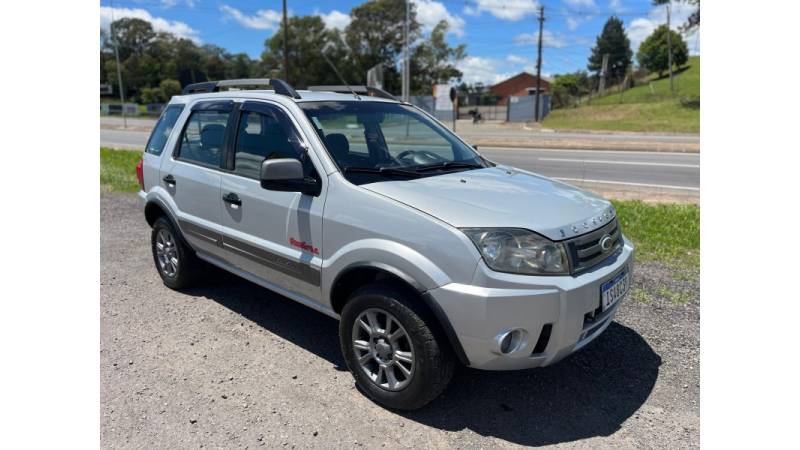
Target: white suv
(369, 210)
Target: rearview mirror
(286, 174)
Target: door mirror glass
(286, 174)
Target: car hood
(502, 196)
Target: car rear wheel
(391, 348)
(175, 261)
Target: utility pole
(406, 82)
(285, 45)
(669, 48)
(603, 73)
(538, 66)
(119, 69)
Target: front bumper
(495, 303)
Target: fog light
(511, 340)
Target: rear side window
(204, 138)
(161, 132)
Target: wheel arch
(154, 209)
(360, 274)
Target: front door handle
(232, 198)
(169, 179)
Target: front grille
(585, 251)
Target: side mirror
(286, 174)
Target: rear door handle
(169, 179)
(232, 198)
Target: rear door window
(158, 139)
(203, 138)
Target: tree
(375, 36)
(307, 37)
(240, 66)
(653, 53)
(433, 61)
(214, 62)
(133, 36)
(614, 42)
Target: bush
(567, 89)
(152, 95)
(692, 102)
(169, 88)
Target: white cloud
(504, 9)
(179, 29)
(263, 19)
(483, 70)
(584, 3)
(573, 22)
(516, 59)
(430, 13)
(549, 39)
(616, 6)
(641, 27)
(335, 19)
(170, 3)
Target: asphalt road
(228, 364)
(674, 171)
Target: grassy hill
(647, 107)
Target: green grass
(667, 233)
(648, 107)
(118, 170)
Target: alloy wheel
(167, 253)
(383, 349)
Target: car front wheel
(390, 346)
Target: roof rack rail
(363, 90)
(279, 86)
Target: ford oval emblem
(606, 243)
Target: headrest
(338, 145)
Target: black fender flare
(168, 214)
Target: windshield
(377, 141)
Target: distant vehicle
(477, 117)
(371, 211)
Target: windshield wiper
(384, 171)
(449, 165)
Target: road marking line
(625, 183)
(629, 163)
(595, 152)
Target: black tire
(433, 359)
(188, 267)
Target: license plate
(614, 289)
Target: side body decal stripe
(301, 271)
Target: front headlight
(519, 251)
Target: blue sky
(500, 34)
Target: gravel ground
(231, 365)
